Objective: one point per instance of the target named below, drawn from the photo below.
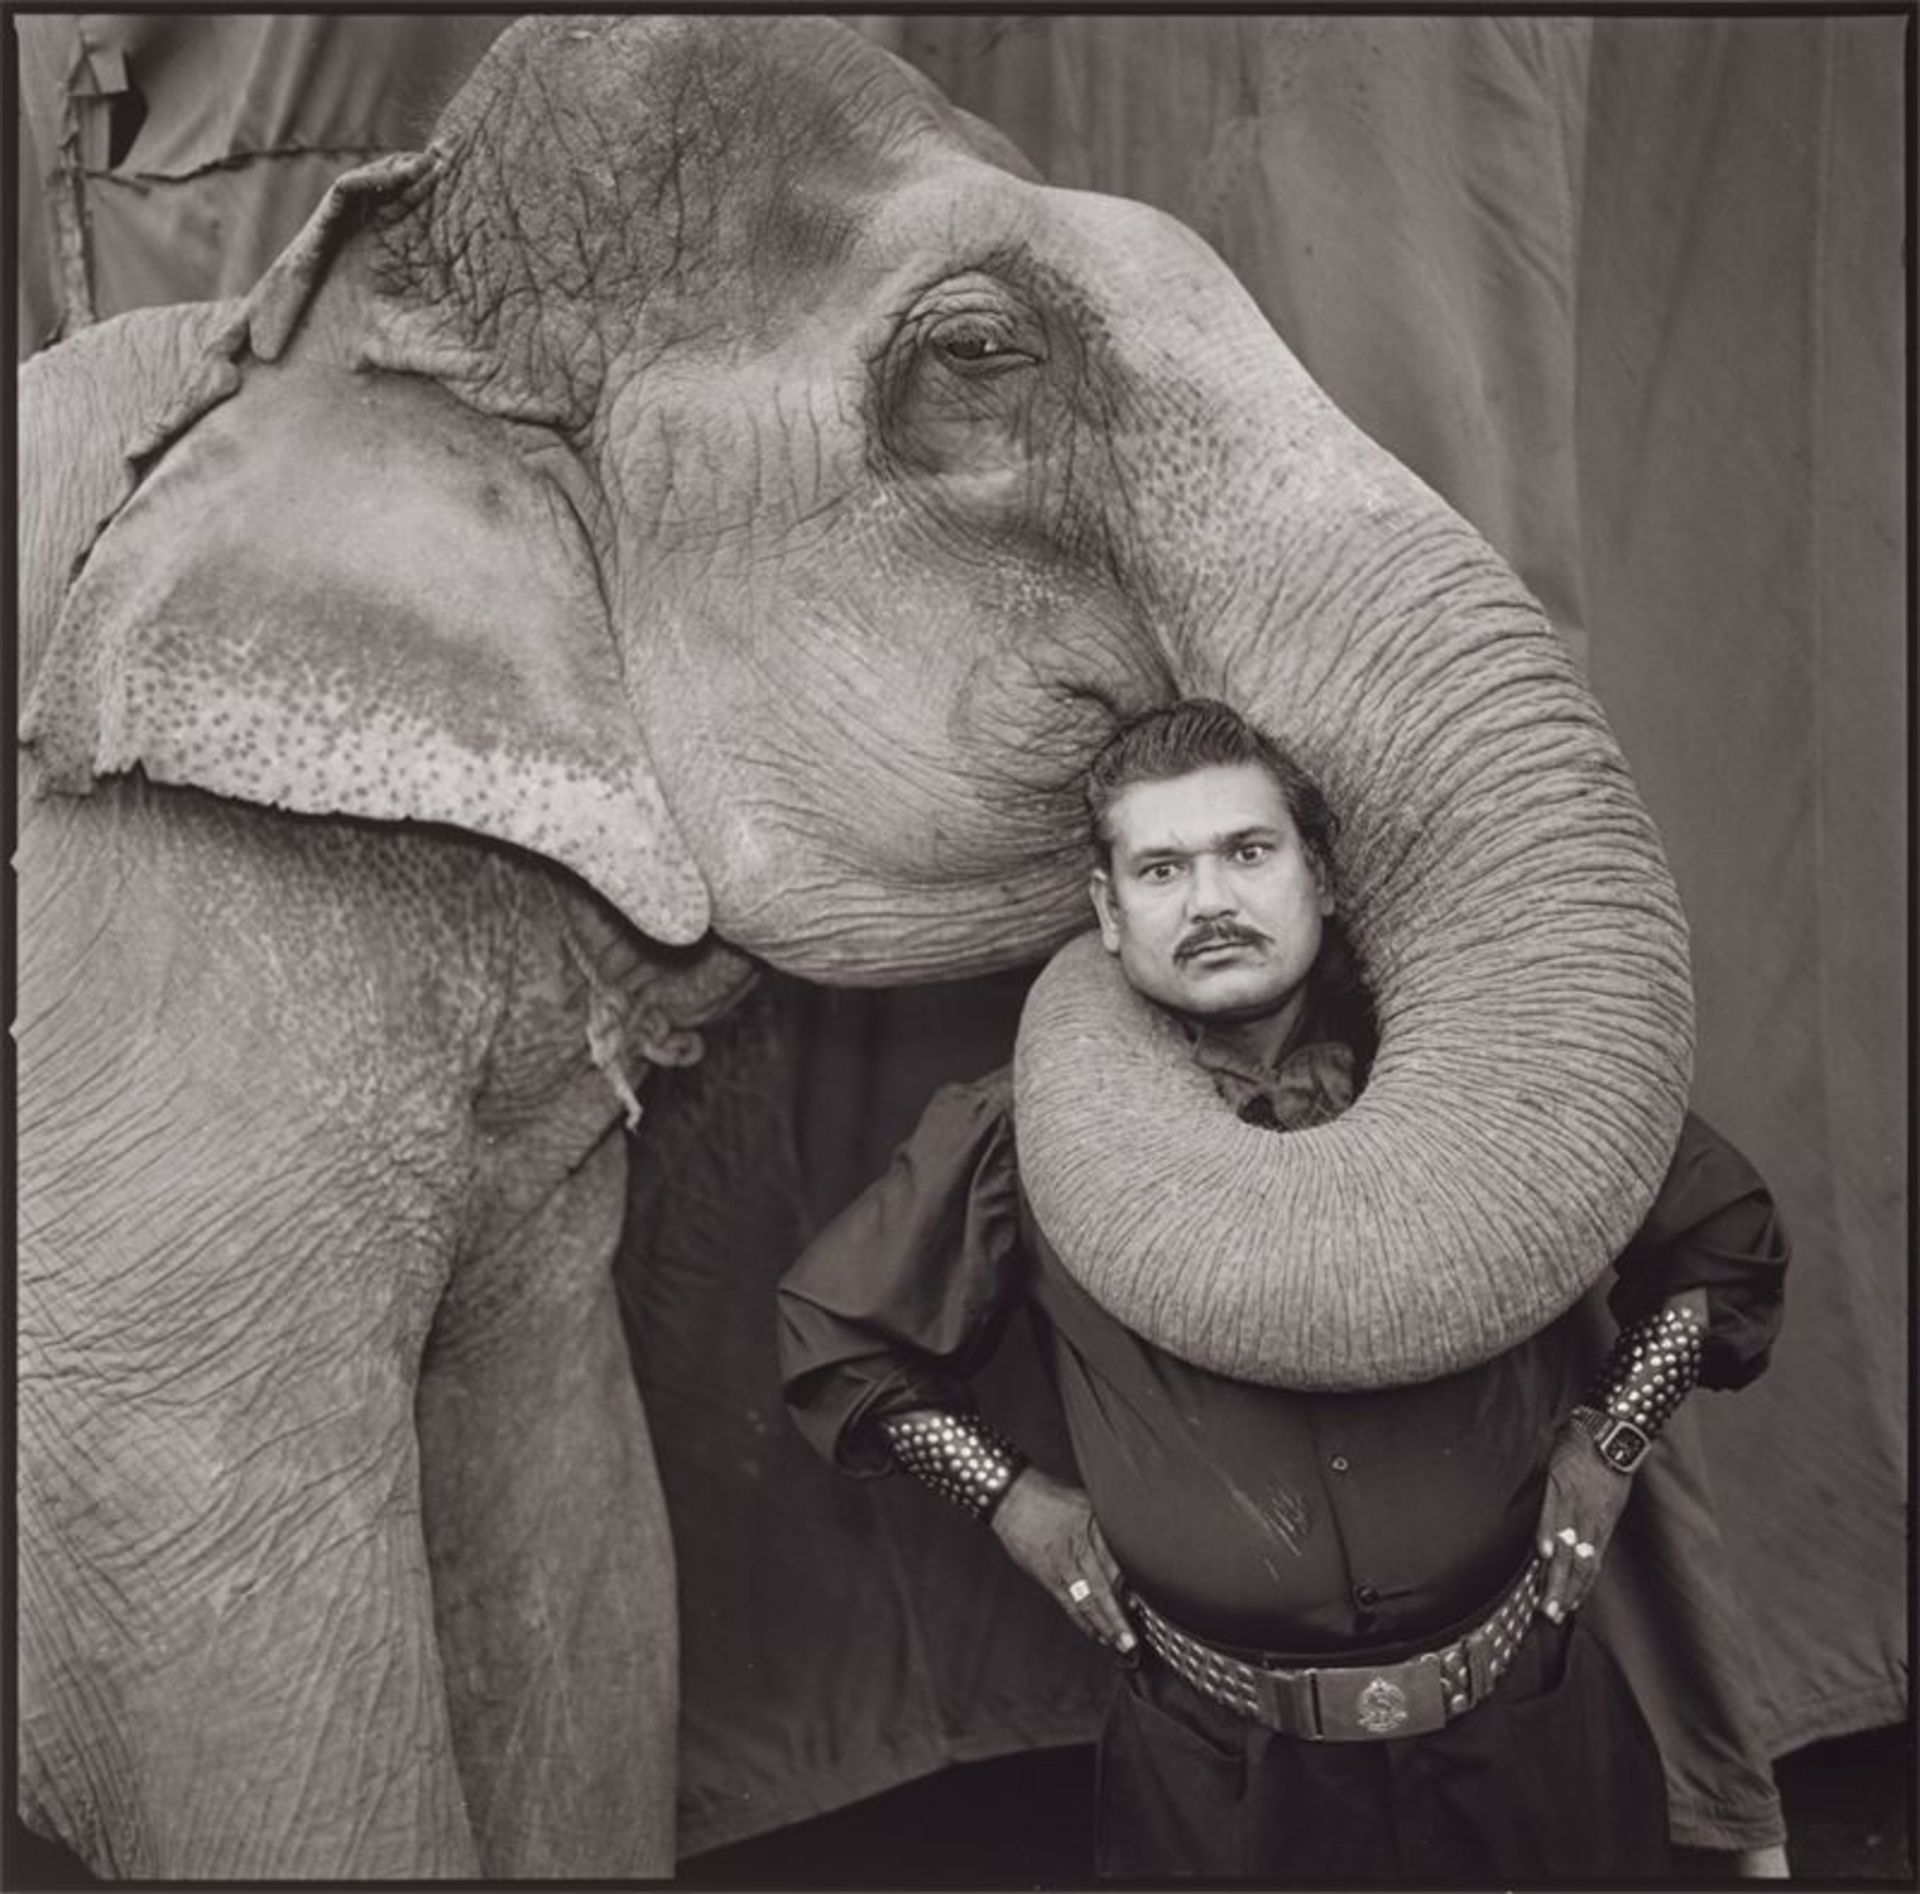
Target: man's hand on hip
(1049, 1531)
(1585, 1498)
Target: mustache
(1216, 934)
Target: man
(1325, 1604)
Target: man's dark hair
(1198, 733)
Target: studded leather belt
(1355, 1703)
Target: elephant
(700, 512)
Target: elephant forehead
(678, 160)
(659, 89)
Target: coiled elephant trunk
(1512, 909)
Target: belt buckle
(1286, 1701)
(1357, 1704)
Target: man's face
(1210, 899)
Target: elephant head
(717, 464)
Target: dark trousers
(1555, 1777)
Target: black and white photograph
(961, 950)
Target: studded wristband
(1652, 1369)
(958, 1455)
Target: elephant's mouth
(883, 931)
(956, 847)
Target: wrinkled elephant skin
(709, 504)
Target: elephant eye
(961, 382)
(980, 343)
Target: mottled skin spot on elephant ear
(347, 594)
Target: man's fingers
(1572, 1562)
(1582, 1569)
(1095, 1608)
(1556, 1547)
(1585, 1498)
(1108, 1611)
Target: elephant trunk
(1510, 904)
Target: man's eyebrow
(1250, 832)
(1154, 852)
(1229, 838)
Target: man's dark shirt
(1259, 1517)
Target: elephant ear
(344, 592)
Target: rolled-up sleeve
(1713, 1226)
(908, 1290)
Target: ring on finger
(1583, 1550)
(1566, 1535)
(1079, 1591)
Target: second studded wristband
(958, 1455)
(1652, 1369)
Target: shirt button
(1338, 1463)
(1366, 1594)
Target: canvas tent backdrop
(1628, 292)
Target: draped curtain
(1630, 293)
